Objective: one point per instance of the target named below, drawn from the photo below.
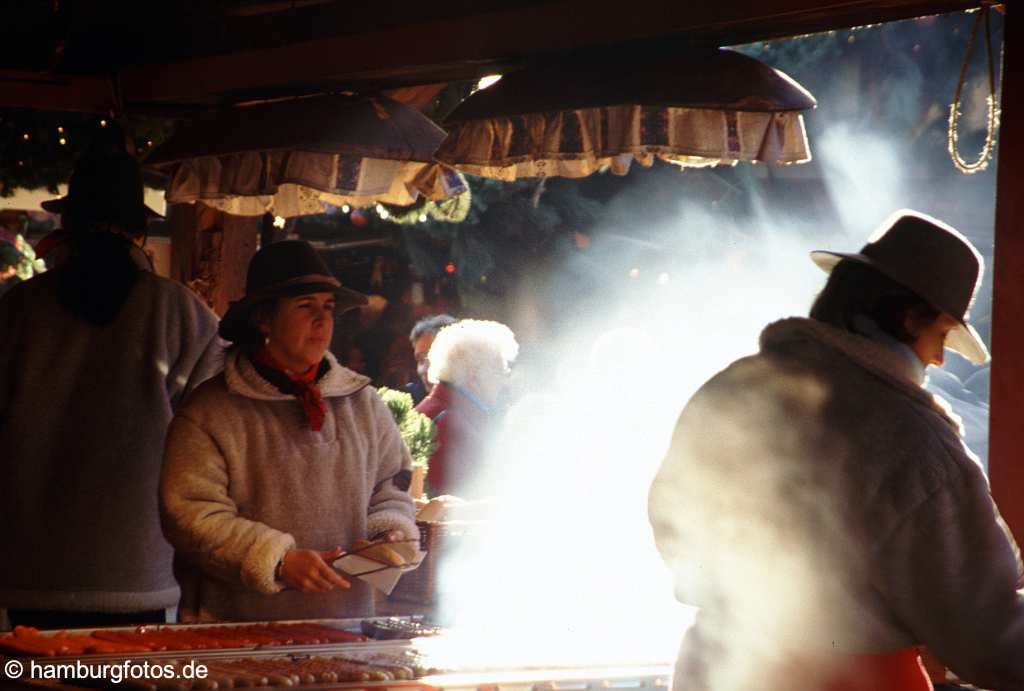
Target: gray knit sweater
(245, 479)
(83, 414)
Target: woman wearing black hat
(276, 466)
(818, 504)
(95, 355)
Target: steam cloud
(665, 296)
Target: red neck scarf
(302, 386)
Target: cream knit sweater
(245, 479)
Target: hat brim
(56, 206)
(962, 338)
(234, 325)
(966, 341)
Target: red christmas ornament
(358, 218)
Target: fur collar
(243, 379)
(880, 360)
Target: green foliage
(38, 149)
(398, 402)
(894, 73)
(22, 257)
(454, 210)
(418, 431)
(508, 228)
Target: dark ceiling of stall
(173, 58)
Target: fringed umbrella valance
(290, 157)
(571, 119)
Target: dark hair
(99, 275)
(251, 338)
(431, 325)
(854, 288)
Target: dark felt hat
(59, 205)
(933, 260)
(284, 269)
(105, 187)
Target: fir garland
(22, 257)
(38, 149)
(418, 431)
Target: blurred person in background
(285, 460)
(18, 261)
(421, 338)
(10, 258)
(355, 360)
(819, 505)
(470, 368)
(95, 356)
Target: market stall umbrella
(699, 108)
(289, 157)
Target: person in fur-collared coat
(279, 465)
(818, 505)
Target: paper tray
(382, 576)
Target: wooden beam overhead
(56, 92)
(473, 44)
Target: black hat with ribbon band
(932, 259)
(283, 269)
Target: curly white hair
(471, 350)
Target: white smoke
(566, 571)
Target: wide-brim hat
(105, 188)
(284, 269)
(934, 261)
(58, 206)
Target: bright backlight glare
(279, 221)
(566, 526)
(487, 81)
(563, 569)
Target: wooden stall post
(210, 251)
(182, 221)
(1006, 401)
(238, 245)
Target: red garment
(51, 241)
(305, 388)
(898, 671)
(461, 435)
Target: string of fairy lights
(62, 135)
(38, 149)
